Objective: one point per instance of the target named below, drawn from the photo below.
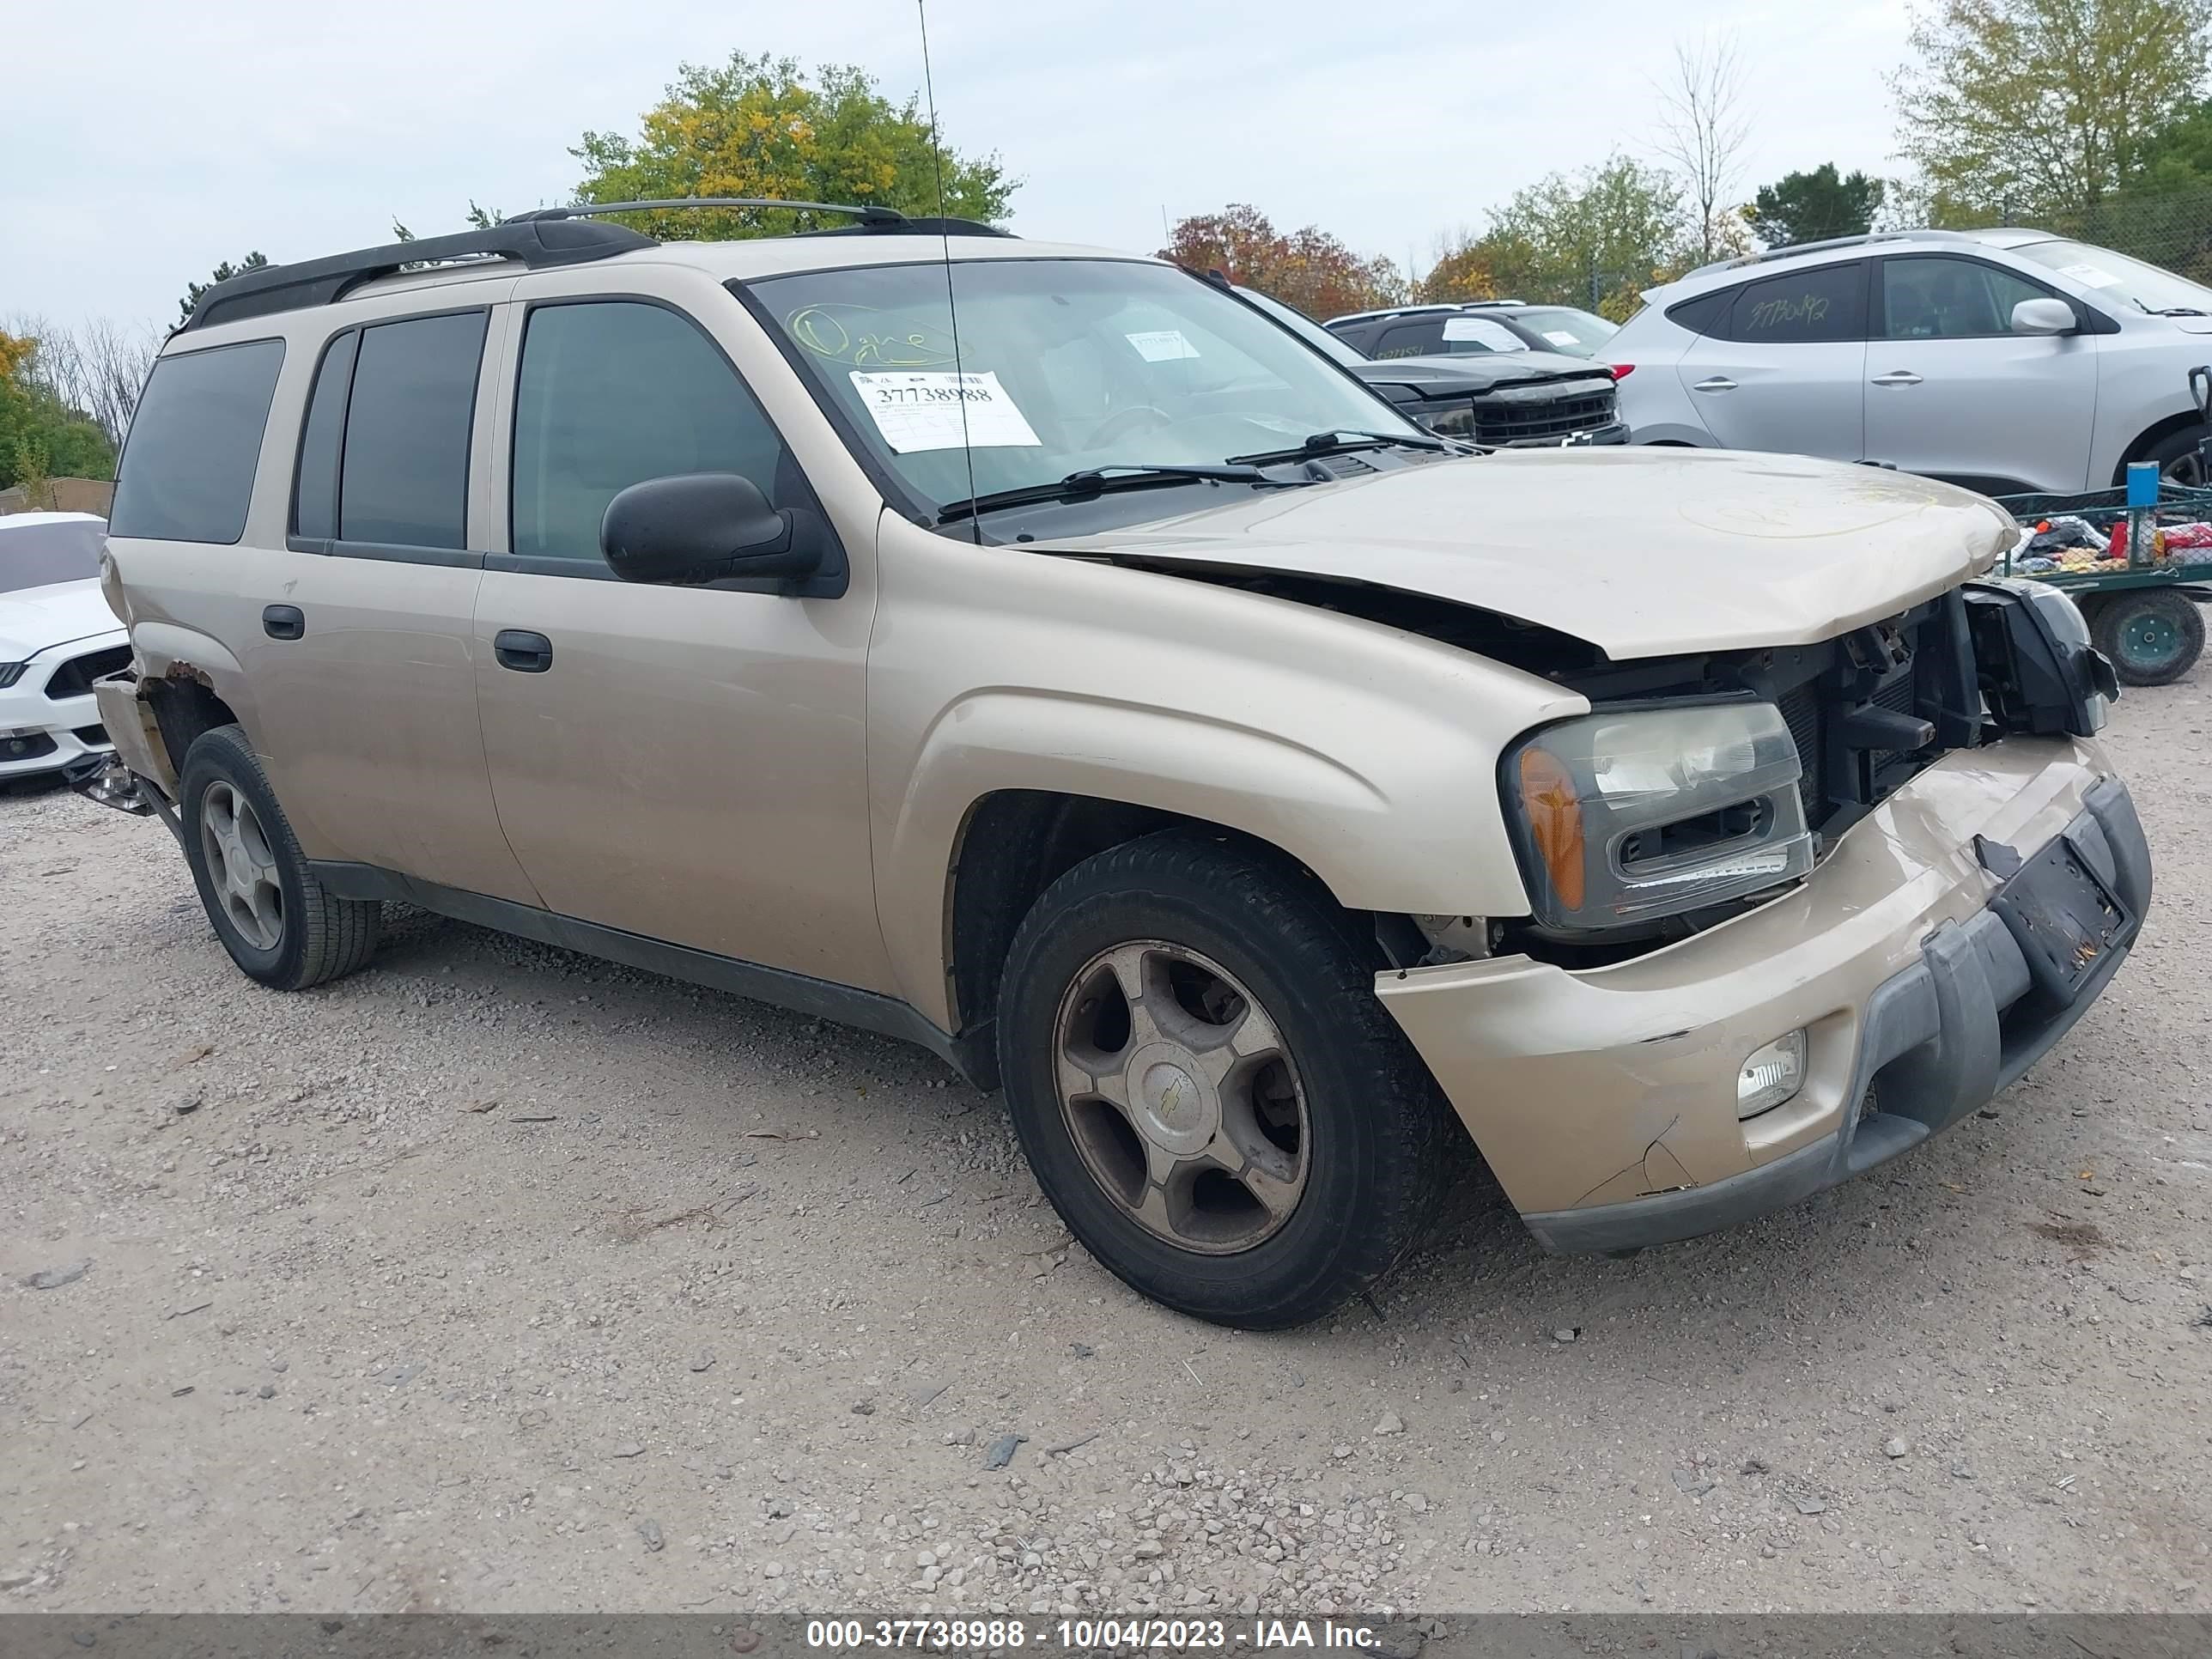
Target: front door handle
(1715, 383)
(522, 651)
(1898, 377)
(283, 622)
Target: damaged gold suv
(1040, 654)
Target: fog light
(1770, 1075)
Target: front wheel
(1207, 1087)
(2153, 634)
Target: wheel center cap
(1173, 1104)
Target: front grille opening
(90, 735)
(74, 678)
(1507, 424)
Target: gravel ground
(498, 1278)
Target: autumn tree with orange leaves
(1308, 268)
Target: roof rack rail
(873, 215)
(1792, 250)
(874, 218)
(528, 238)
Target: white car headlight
(1626, 816)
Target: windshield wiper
(2177, 310)
(1097, 480)
(1339, 439)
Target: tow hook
(104, 778)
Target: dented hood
(1642, 552)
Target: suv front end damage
(1981, 875)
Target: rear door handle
(283, 622)
(522, 651)
(1715, 383)
(1898, 377)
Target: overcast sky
(146, 143)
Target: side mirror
(2044, 316)
(700, 527)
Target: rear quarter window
(187, 472)
(1804, 307)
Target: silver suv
(2006, 360)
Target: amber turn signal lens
(1555, 819)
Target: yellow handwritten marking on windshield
(859, 337)
(1806, 308)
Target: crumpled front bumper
(1605, 1101)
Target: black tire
(2153, 634)
(319, 936)
(1379, 1142)
(2177, 457)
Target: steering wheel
(1139, 418)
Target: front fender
(1367, 753)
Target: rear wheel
(2153, 634)
(1207, 1087)
(281, 925)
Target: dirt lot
(499, 1280)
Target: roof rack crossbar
(530, 241)
(873, 215)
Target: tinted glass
(188, 469)
(612, 394)
(1939, 299)
(1805, 307)
(1417, 339)
(315, 492)
(1700, 315)
(404, 479)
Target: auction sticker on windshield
(1162, 345)
(930, 409)
(1492, 336)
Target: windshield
(1563, 328)
(2147, 288)
(1064, 365)
(1338, 349)
(36, 555)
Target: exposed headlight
(1624, 817)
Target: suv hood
(35, 619)
(1442, 376)
(1641, 552)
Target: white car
(2007, 360)
(56, 637)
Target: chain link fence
(2168, 228)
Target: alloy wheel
(241, 866)
(1181, 1096)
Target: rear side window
(187, 471)
(1806, 307)
(1416, 339)
(1698, 315)
(404, 472)
(612, 393)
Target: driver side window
(612, 393)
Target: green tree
(2039, 107)
(1596, 238)
(221, 273)
(763, 127)
(1807, 206)
(1307, 268)
(42, 437)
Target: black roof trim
(535, 242)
